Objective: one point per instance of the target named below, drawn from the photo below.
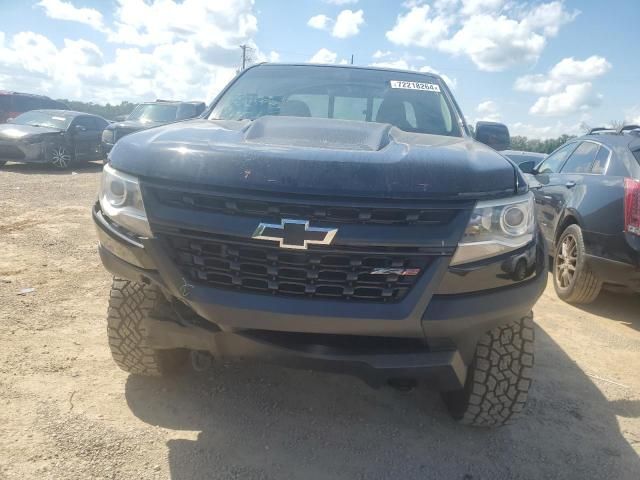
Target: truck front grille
(315, 211)
(320, 272)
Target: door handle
(570, 184)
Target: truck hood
(316, 156)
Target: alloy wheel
(60, 157)
(566, 261)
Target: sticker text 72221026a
(427, 87)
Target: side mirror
(494, 134)
(528, 166)
(10, 120)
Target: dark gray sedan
(61, 138)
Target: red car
(13, 104)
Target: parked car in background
(58, 137)
(147, 115)
(525, 160)
(13, 104)
(588, 205)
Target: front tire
(129, 304)
(61, 157)
(573, 279)
(499, 378)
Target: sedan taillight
(632, 206)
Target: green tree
(108, 111)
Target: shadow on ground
(258, 421)
(39, 168)
(619, 307)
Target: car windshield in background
(411, 102)
(43, 119)
(154, 113)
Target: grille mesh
(317, 214)
(321, 272)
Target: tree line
(108, 111)
(548, 145)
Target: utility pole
(244, 48)
(352, 59)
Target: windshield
(43, 119)
(155, 112)
(411, 102)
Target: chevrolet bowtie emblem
(294, 234)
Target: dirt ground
(66, 411)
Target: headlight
(107, 136)
(497, 227)
(121, 201)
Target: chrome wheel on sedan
(60, 157)
(566, 261)
(573, 278)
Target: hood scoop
(318, 133)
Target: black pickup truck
(328, 217)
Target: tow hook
(201, 360)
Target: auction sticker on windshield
(427, 87)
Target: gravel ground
(68, 412)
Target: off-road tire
(129, 304)
(499, 377)
(585, 286)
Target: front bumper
(16, 151)
(429, 334)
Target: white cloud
(320, 22)
(211, 25)
(341, 2)
(61, 10)
(380, 54)
(416, 28)
(495, 43)
(567, 71)
(567, 87)
(495, 35)
(574, 98)
(488, 110)
(545, 131)
(164, 49)
(274, 56)
(474, 7)
(348, 23)
(324, 56)
(400, 64)
(632, 115)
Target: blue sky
(544, 67)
